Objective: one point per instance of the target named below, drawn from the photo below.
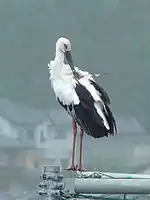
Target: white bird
(85, 101)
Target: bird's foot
(72, 168)
(80, 169)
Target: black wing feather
(111, 120)
(103, 93)
(85, 114)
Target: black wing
(103, 93)
(87, 115)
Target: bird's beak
(69, 59)
(70, 62)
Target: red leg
(81, 144)
(74, 126)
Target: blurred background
(108, 37)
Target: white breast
(63, 84)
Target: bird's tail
(111, 121)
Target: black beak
(70, 62)
(69, 59)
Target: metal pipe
(115, 175)
(112, 186)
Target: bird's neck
(59, 56)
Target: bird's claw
(72, 168)
(80, 169)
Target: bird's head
(64, 45)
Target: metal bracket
(52, 185)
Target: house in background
(129, 151)
(34, 124)
(29, 139)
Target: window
(49, 129)
(42, 136)
(21, 133)
(59, 134)
(30, 134)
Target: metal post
(52, 184)
(112, 186)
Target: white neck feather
(59, 56)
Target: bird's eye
(65, 46)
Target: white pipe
(112, 186)
(117, 175)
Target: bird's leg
(80, 155)
(74, 126)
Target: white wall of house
(6, 128)
(46, 138)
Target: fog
(108, 37)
